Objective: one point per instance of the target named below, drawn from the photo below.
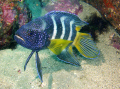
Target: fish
(58, 31)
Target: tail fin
(85, 45)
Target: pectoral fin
(67, 56)
(85, 45)
(57, 45)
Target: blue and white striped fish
(59, 31)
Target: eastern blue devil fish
(60, 32)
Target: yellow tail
(85, 45)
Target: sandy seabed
(100, 73)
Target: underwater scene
(59, 44)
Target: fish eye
(31, 33)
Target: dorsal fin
(79, 25)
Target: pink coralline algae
(13, 15)
(115, 41)
(8, 14)
(23, 16)
(22, 20)
(72, 6)
(7, 17)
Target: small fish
(59, 31)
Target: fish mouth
(19, 37)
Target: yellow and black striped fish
(59, 31)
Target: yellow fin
(85, 45)
(78, 28)
(67, 56)
(57, 45)
(79, 36)
(79, 25)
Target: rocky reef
(13, 14)
(115, 41)
(110, 9)
(72, 6)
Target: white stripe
(43, 26)
(70, 34)
(55, 27)
(63, 27)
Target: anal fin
(67, 56)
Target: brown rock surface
(110, 9)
